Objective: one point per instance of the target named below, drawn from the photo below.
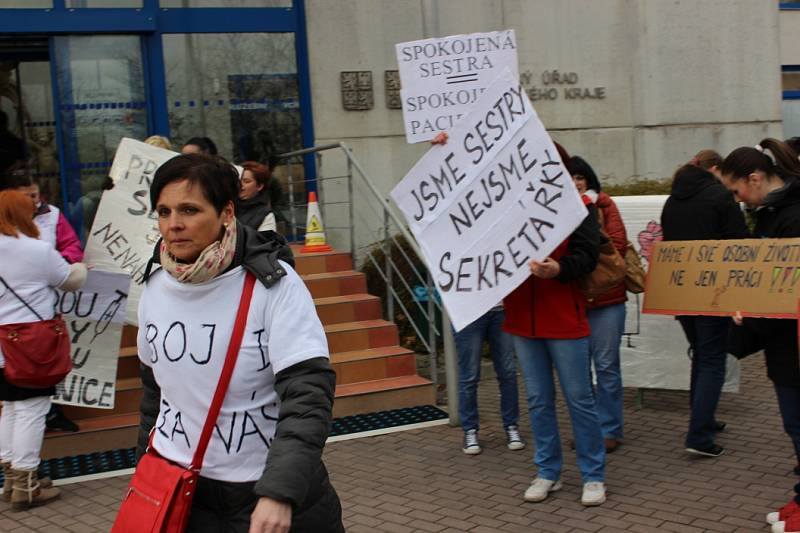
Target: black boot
(56, 420)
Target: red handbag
(37, 354)
(160, 494)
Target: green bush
(639, 188)
(374, 269)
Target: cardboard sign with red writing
(759, 277)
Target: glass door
(101, 99)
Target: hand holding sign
(492, 199)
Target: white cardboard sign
(94, 315)
(492, 199)
(442, 78)
(124, 231)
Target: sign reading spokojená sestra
(492, 199)
(442, 78)
(758, 277)
(124, 231)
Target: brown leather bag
(610, 270)
(634, 271)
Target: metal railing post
(432, 330)
(388, 265)
(292, 214)
(351, 207)
(450, 369)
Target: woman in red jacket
(546, 316)
(606, 312)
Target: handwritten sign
(492, 199)
(443, 78)
(124, 231)
(94, 315)
(758, 277)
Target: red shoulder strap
(227, 371)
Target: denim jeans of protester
(789, 405)
(608, 325)
(469, 345)
(708, 338)
(570, 357)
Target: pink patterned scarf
(213, 261)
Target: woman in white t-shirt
(263, 470)
(29, 272)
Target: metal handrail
(388, 216)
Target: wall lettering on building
(557, 85)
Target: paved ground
(420, 481)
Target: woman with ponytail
(767, 178)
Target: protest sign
(124, 230)
(441, 79)
(655, 353)
(758, 277)
(94, 315)
(492, 199)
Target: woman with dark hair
(199, 145)
(606, 313)
(767, 178)
(27, 295)
(700, 208)
(254, 208)
(263, 469)
(709, 160)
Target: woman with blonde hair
(159, 141)
(26, 295)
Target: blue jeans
(789, 405)
(608, 325)
(469, 345)
(708, 339)
(570, 357)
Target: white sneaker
(515, 441)
(594, 493)
(779, 527)
(540, 488)
(471, 444)
(773, 517)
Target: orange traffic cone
(315, 231)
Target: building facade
(635, 86)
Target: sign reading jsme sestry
(492, 199)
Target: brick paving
(420, 481)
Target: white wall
(678, 76)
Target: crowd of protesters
(546, 327)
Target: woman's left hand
(549, 268)
(271, 516)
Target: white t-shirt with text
(184, 331)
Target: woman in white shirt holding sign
(263, 470)
(30, 270)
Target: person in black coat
(767, 179)
(701, 208)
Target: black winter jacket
(251, 212)
(701, 209)
(778, 217)
(294, 472)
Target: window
(240, 90)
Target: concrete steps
(373, 372)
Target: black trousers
(225, 507)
